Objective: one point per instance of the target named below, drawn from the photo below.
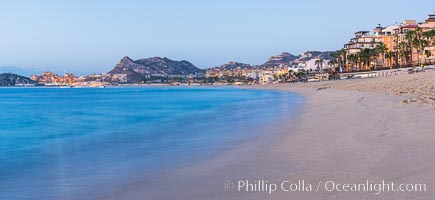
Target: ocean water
(81, 143)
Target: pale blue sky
(92, 36)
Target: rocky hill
(325, 55)
(290, 59)
(138, 70)
(9, 79)
(284, 58)
(234, 65)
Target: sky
(91, 36)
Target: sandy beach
(417, 87)
(371, 131)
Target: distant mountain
(325, 55)
(234, 65)
(138, 70)
(284, 58)
(290, 59)
(9, 79)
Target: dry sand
(342, 135)
(417, 87)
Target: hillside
(290, 59)
(233, 65)
(138, 70)
(9, 79)
(281, 59)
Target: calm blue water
(72, 143)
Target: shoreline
(340, 135)
(241, 146)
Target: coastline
(370, 136)
(122, 135)
(224, 100)
(341, 135)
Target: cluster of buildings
(409, 43)
(245, 75)
(400, 49)
(398, 45)
(279, 68)
(69, 79)
(49, 78)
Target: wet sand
(344, 135)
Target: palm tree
(339, 59)
(404, 52)
(388, 58)
(342, 58)
(431, 34)
(419, 43)
(360, 61)
(366, 55)
(352, 59)
(429, 37)
(358, 58)
(335, 56)
(417, 39)
(393, 59)
(319, 63)
(299, 74)
(332, 63)
(390, 55)
(374, 54)
(381, 49)
(410, 43)
(432, 39)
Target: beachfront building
(266, 76)
(363, 40)
(400, 46)
(311, 65)
(386, 35)
(429, 25)
(407, 51)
